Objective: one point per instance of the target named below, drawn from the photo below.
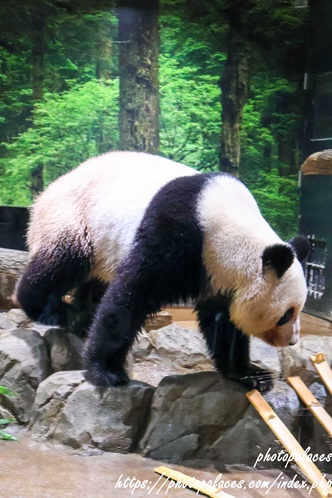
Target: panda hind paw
(105, 378)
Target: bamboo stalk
(192, 482)
(323, 369)
(313, 474)
(312, 403)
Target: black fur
(302, 247)
(229, 346)
(279, 257)
(164, 267)
(47, 278)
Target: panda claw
(253, 382)
(255, 378)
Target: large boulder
(208, 417)
(257, 444)
(65, 349)
(189, 413)
(24, 364)
(69, 410)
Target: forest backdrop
(215, 85)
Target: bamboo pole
(192, 482)
(323, 369)
(312, 403)
(313, 474)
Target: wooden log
(12, 264)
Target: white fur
(235, 236)
(91, 203)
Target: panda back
(99, 205)
(118, 205)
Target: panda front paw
(254, 378)
(105, 378)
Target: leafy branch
(5, 421)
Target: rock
(251, 437)
(12, 264)
(19, 318)
(265, 356)
(69, 410)
(167, 351)
(142, 346)
(4, 414)
(65, 350)
(189, 413)
(16, 318)
(295, 360)
(24, 363)
(5, 323)
(184, 346)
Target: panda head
(269, 307)
(246, 261)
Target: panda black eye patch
(286, 317)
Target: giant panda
(148, 232)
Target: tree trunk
(234, 86)
(38, 53)
(104, 56)
(138, 60)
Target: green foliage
(78, 114)
(277, 198)
(8, 392)
(190, 115)
(74, 45)
(268, 123)
(6, 421)
(67, 129)
(189, 94)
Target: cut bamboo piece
(312, 403)
(323, 369)
(192, 482)
(313, 474)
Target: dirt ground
(33, 470)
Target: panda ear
(301, 246)
(279, 257)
